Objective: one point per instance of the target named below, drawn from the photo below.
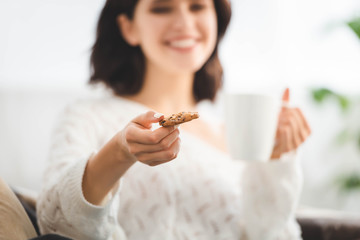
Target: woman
(160, 56)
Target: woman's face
(175, 35)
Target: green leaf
(349, 182)
(343, 101)
(355, 26)
(321, 94)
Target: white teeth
(183, 43)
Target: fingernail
(158, 115)
(177, 126)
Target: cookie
(179, 118)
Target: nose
(183, 18)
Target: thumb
(286, 97)
(148, 118)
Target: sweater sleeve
(271, 192)
(61, 206)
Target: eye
(161, 10)
(195, 7)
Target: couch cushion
(14, 222)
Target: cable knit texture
(203, 194)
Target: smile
(185, 43)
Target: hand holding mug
(292, 129)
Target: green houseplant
(350, 181)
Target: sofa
(315, 224)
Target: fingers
(145, 120)
(166, 155)
(293, 129)
(295, 138)
(286, 139)
(139, 148)
(134, 134)
(286, 95)
(303, 121)
(147, 146)
(286, 99)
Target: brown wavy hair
(121, 66)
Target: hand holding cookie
(151, 147)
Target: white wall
(46, 43)
(292, 43)
(271, 44)
(26, 122)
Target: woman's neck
(166, 92)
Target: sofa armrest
(29, 204)
(318, 224)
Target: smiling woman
(126, 58)
(114, 173)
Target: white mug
(251, 122)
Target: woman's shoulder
(85, 105)
(103, 105)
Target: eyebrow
(161, 1)
(166, 1)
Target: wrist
(104, 170)
(120, 150)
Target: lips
(183, 43)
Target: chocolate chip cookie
(179, 118)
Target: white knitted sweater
(202, 195)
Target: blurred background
(310, 46)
